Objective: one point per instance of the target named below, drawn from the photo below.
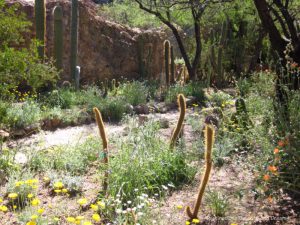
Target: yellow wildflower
(57, 191)
(1, 200)
(35, 202)
(94, 207)
(14, 206)
(31, 223)
(30, 196)
(41, 211)
(187, 223)
(64, 190)
(34, 217)
(96, 217)
(71, 219)
(3, 208)
(82, 201)
(196, 221)
(79, 217)
(233, 224)
(13, 195)
(179, 206)
(87, 223)
(58, 185)
(19, 183)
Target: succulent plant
(40, 25)
(103, 136)
(178, 129)
(167, 62)
(74, 38)
(209, 140)
(58, 36)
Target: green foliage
(144, 164)
(191, 89)
(134, 93)
(127, 12)
(12, 25)
(217, 203)
(21, 115)
(72, 158)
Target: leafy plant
(217, 203)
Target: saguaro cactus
(40, 25)
(58, 36)
(74, 38)
(105, 145)
(167, 62)
(209, 140)
(182, 108)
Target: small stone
(20, 158)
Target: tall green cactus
(40, 25)
(167, 62)
(74, 38)
(172, 77)
(141, 61)
(58, 36)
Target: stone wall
(105, 49)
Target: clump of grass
(217, 203)
(146, 165)
(72, 158)
(134, 92)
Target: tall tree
(280, 22)
(164, 11)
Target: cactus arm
(40, 25)
(104, 143)
(209, 139)
(182, 108)
(74, 38)
(58, 36)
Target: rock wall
(105, 49)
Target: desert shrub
(72, 158)
(146, 165)
(20, 115)
(134, 92)
(191, 89)
(219, 99)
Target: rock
(32, 128)
(3, 135)
(142, 109)
(19, 132)
(161, 107)
(129, 109)
(105, 49)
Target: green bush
(194, 89)
(134, 92)
(145, 164)
(20, 115)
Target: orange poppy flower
(281, 143)
(273, 169)
(276, 151)
(270, 199)
(266, 177)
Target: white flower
(20, 158)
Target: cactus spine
(58, 36)
(178, 129)
(74, 38)
(167, 62)
(40, 25)
(172, 66)
(105, 145)
(209, 140)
